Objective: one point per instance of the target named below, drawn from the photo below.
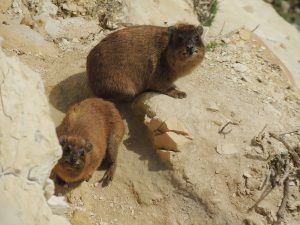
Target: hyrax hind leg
(111, 156)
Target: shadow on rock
(139, 140)
(70, 91)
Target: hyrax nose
(73, 159)
(190, 49)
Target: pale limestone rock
(21, 37)
(58, 205)
(49, 188)
(273, 29)
(28, 144)
(170, 141)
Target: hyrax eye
(81, 154)
(67, 149)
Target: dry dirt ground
(239, 81)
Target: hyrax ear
(62, 139)
(199, 30)
(88, 147)
(171, 30)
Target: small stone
(282, 45)
(75, 40)
(253, 220)
(58, 205)
(239, 67)
(217, 122)
(252, 183)
(247, 174)
(170, 141)
(153, 123)
(28, 21)
(245, 35)
(173, 124)
(227, 149)
(49, 188)
(226, 40)
(266, 208)
(218, 170)
(213, 107)
(164, 155)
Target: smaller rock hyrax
(140, 58)
(91, 131)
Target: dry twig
(282, 207)
(294, 155)
(257, 26)
(257, 140)
(221, 131)
(289, 132)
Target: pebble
(213, 107)
(58, 205)
(245, 35)
(247, 174)
(227, 149)
(239, 67)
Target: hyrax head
(75, 149)
(186, 40)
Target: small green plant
(213, 11)
(214, 44)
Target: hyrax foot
(173, 92)
(108, 176)
(59, 181)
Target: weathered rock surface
(280, 36)
(224, 88)
(28, 146)
(23, 38)
(164, 12)
(5, 4)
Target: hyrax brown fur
(140, 58)
(90, 131)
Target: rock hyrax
(91, 131)
(140, 58)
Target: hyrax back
(139, 58)
(90, 131)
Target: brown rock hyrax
(91, 131)
(141, 58)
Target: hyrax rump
(91, 131)
(140, 58)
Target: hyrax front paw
(176, 93)
(108, 176)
